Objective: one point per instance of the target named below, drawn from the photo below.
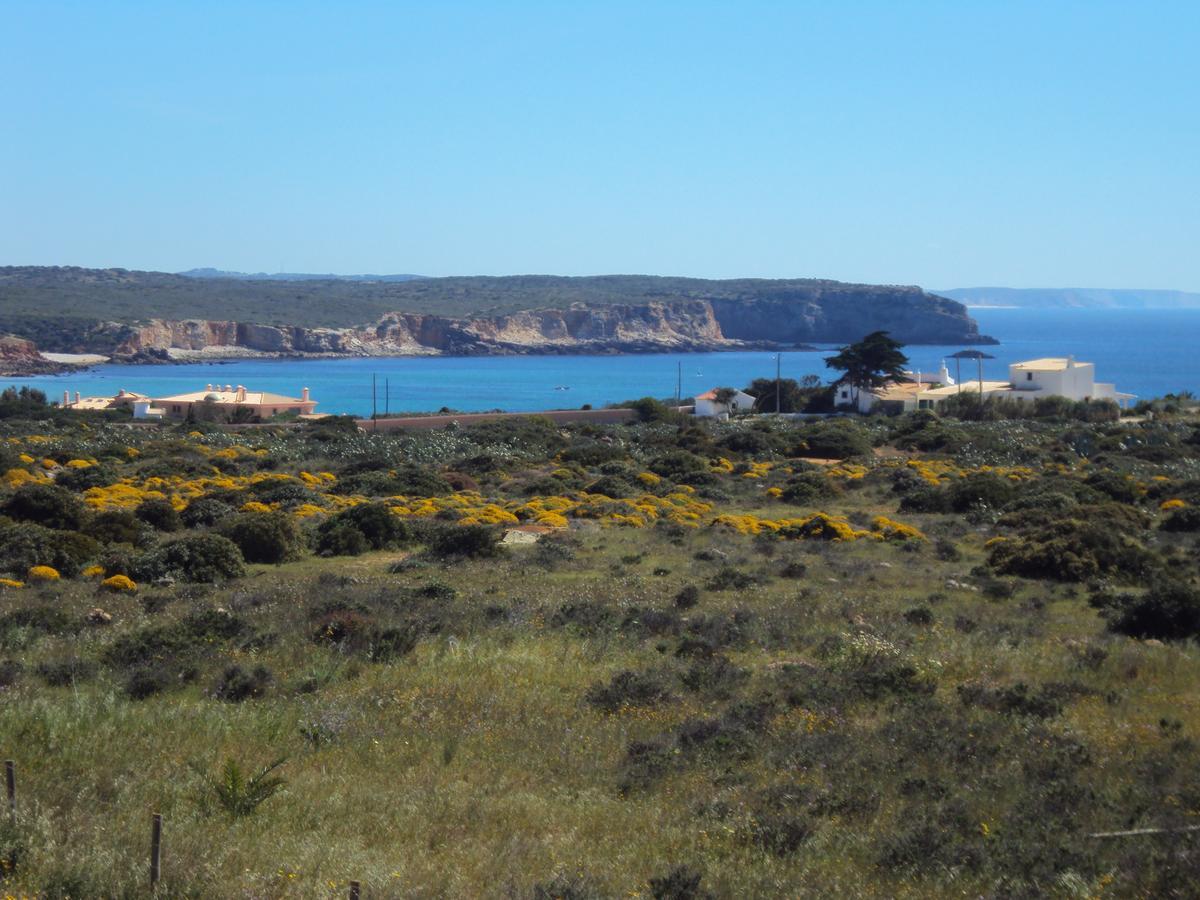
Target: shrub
(159, 515)
(680, 883)
(205, 558)
(340, 539)
(471, 541)
(678, 465)
(25, 546)
(1168, 610)
(119, 526)
(376, 523)
(688, 597)
(1071, 550)
(1186, 519)
(806, 488)
(979, 490)
(627, 689)
(833, 439)
(64, 672)
(47, 505)
(119, 584)
(264, 537)
(205, 512)
(42, 573)
(79, 480)
(236, 684)
(650, 410)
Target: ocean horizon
(1144, 352)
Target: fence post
(10, 785)
(355, 891)
(155, 850)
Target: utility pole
(374, 408)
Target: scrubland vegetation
(890, 657)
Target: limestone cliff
(671, 325)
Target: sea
(1144, 352)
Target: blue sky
(944, 144)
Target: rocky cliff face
(19, 357)
(824, 315)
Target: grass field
(754, 702)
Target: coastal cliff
(138, 314)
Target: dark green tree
(872, 363)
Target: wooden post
(355, 891)
(10, 784)
(155, 850)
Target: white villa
(1029, 380)
(707, 404)
(1037, 378)
(904, 393)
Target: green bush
(806, 488)
(1169, 609)
(205, 512)
(120, 526)
(159, 515)
(980, 490)
(833, 439)
(46, 504)
(368, 526)
(23, 546)
(340, 539)
(1185, 519)
(264, 537)
(472, 541)
(1071, 550)
(204, 558)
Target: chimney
(241, 394)
(77, 397)
(208, 387)
(228, 388)
(1070, 362)
(304, 394)
(66, 398)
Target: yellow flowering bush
(93, 571)
(1173, 503)
(43, 573)
(119, 583)
(892, 530)
(10, 583)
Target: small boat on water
(561, 387)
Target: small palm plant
(236, 794)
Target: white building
(905, 393)
(1037, 378)
(708, 405)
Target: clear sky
(946, 144)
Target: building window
(1029, 376)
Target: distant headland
(159, 317)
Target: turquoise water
(1145, 352)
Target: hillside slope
(124, 312)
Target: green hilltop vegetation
(31, 293)
(903, 657)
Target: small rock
(1153, 642)
(165, 581)
(885, 565)
(98, 617)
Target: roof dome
(213, 397)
